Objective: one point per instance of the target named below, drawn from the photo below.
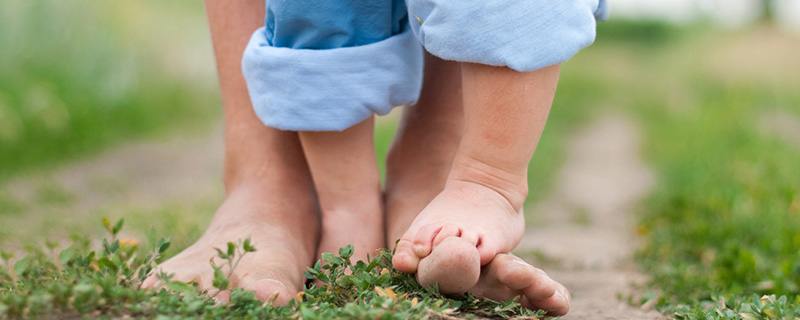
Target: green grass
(724, 223)
(78, 77)
(74, 281)
(721, 231)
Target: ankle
(511, 185)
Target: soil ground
(582, 234)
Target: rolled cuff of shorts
(602, 11)
(331, 89)
(521, 35)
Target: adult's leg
(269, 194)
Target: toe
(556, 305)
(454, 266)
(542, 287)
(448, 230)
(404, 259)
(272, 290)
(513, 272)
(150, 281)
(423, 240)
(487, 250)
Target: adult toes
(404, 259)
(272, 290)
(556, 305)
(541, 287)
(513, 272)
(150, 281)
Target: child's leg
(323, 68)
(347, 181)
(270, 196)
(417, 168)
(505, 112)
(424, 146)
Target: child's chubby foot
(283, 234)
(508, 276)
(482, 221)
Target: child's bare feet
(347, 181)
(429, 136)
(504, 112)
(284, 232)
(472, 212)
(508, 276)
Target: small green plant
(63, 283)
(764, 308)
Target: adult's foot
(283, 230)
(508, 276)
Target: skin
(456, 180)
(348, 186)
(269, 192)
(483, 182)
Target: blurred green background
(101, 101)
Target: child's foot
(283, 230)
(341, 228)
(481, 218)
(345, 173)
(508, 276)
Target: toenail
(271, 280)
(562, 297)
(419, 249)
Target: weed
(78, 281)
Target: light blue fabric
(521, 35)
(327, 65)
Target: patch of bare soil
(781, 124)
(583, 233)
(141, 175)
(765, 54)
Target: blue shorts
(327, 65)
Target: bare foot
(284, 233)
(508, 276)
(458, 258)
(345, 173)
(476, 215)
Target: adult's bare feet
(508, 276)
(270, 195)
(283, 228)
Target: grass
(723, 227)
(720, 232)
(74, 281)
(77, 78)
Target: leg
(424, 146)
(505, 112)
(269, 191)
(348, 186)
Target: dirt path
(148, 175)
(582, 234)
